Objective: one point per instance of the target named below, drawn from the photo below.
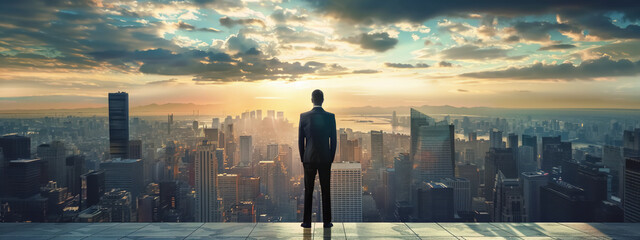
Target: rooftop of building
(387, 230)
(345, 165)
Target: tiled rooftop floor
(581, 231)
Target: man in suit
(317, 144)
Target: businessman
(317, 144)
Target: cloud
(406, 65)
(557, 47)
(287, 15)
(379, 42)
(471, 52)
(230, 23)
(188, 27)
(463, 90)
(365, 71)
(445, 64)
(163, 82)
(589, 69)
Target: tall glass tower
(119, 125)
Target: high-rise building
(246, 150)
(220, 158)
(343, 147)
(631, 199)
(531, 184)
(403, 168)
(631, 143)
(148, 208)
(512, 141)
(417, 119)
(15, 147)
(75, 167)
(53, 154)
(135, 149)
(207, 208)
(525, 159)
(498, 159)
(119, 124)
(508, 200)
(272, 151)
(168, 194)
(211, 135)
(228, 189)
(266, 172)
(215, 123)
(433, 202)
(23, 177)
(93, 187)
(531, 141)
(169, 123)
(346, 192)
(119, 203)
(125, 174)
(377, 152)
(563, 202)
(612, 158)
(461, 193)
(470, 172)
(248, 188)
(495, 138)
(554, 152)
(434, 158)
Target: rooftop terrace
(580, 231)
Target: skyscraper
(246, 150)
(53, 154)
(125, 174)
(93, 187)
(207, 209)
(403, 168)
(169, 123)
(495, 138)
(119, 125)
(377, 153)
(418, 119)
(631, 143)
(434, 157)
(531, 184)
(346, 192)
(632, 190)
(508, 200)
(554, 152)
(75, 167)
(272, 151)
(343, 147)
(135, 149)
(15, 147)
(498, 159)
(433, 202)
(612, 158)
(228, 188)
(23, 177)
(461, 193)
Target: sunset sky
(271, 54)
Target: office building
(54, 154)
(343, 147)
(75, 167)
(23, 177)
(15, 147)
(612, 158)
(498, 159)
(433, 202)
(124, 174)
(119, 125)
(631, 200)
(461, 193)
(434, 158)
(246, 150)
(554, 152)
(403, 168)
(470, 172)
(207, 208)
(495, 138)
(272, 151)
(377, 152)
(346, 192)
(569, 203)
(135, 149)
(631, 143)
(531, 141)
(508, 203)
(93, 187)
(119, 203)
(228, 189)
(531, 184)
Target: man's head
(317, 97)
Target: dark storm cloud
(406, 65)
(229, 23)
(557, 47)
(539, 31)
(421, 10)
(476, 53)
(379, 42)
(602, 67)
(185, 26)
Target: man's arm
(332, 137)
(301, 138)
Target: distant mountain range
(208, 109)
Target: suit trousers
(310, 170)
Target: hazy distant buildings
(119, 125)
(346, 192)
(495, 137)
(631, 143)
(135, 149)
(207, 209)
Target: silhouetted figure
(317, 144)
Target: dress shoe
(327, 225)
(305, 225)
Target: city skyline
(267, 54)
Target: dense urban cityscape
(246, 168)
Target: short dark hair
(317, 97)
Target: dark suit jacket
(317, 136)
